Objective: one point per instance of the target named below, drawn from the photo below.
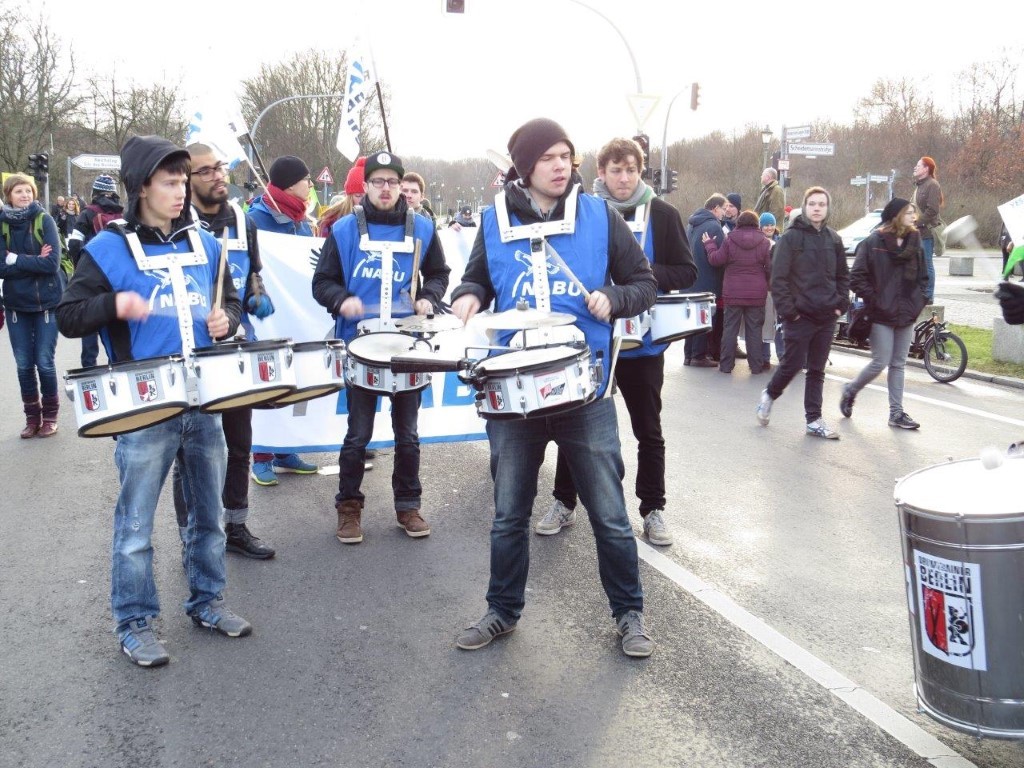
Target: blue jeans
(928, 246)
(405, 477)
(34, 341)
(588, 437)
(143, 460)
(889, 347)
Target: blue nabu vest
(585, 252)
(158, 335)
(646, 349)
(362, 269)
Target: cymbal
(523, 319)
(428, 323)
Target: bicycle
(943, 352)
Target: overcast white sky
(462, 84)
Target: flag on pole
(219, 129)
(358, 87)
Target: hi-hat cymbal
(428, 323)
(523, 319)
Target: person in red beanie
(353, 197)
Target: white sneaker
(557, 518)
(764, 408)
(818, 428)
(655, 529)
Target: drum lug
(288, 357)
(69, 390)
(113, 386)
(241, 361)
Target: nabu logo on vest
(366, 269)
(162, 295)
(523, 285)
(237, 278)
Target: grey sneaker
(903, 421)
(218, 617)
(635, 640)
(764, 408)
(140, 644)
(557, 518)
(485, 630)
(655, 529)
(846, 403)
(818, 428)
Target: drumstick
(220, 270)
(415, 273)
(568, 272)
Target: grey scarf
(642, 194)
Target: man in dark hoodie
(702, 350)
(105, 206)
(108, 293)
(811, 289)
(541, 200)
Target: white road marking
(885, 717)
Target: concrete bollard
(1007, 341)
(961, 266)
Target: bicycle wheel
(945, 357)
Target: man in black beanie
(540, 225)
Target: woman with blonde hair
(890, 275)
(30, 269)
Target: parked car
(853, 233)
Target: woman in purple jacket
(745, 256)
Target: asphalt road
(780, 613)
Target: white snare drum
(534, 382)
(234, 374)
(125, 397)
(319, 370)
(678, 315)
(368, 365)
(631, 331)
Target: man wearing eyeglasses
(282, 208)
(348, 282)
(213, 212)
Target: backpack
(101, 219)
(67, 267)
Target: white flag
(219, 129)
(358, 87)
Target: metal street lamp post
(766, 140)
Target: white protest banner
(1012, 212)
(358, 83)
(447, 411)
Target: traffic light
(694, 96)
(672, 182)
(33, 164)
(776, 156)
(454, 6)
(656, 179)
(645, 147)
(44, 164)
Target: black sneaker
(242, 541)
(902, 421)
(846, 403)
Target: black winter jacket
(892, 279)
(809, 273)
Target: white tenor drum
(243, 374)
(534, 382)
(678, 315)
(319, 370)
(368, 365)
(631, 330)
(125, 397)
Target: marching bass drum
(677, 315)
(240, 374)
(319, 370)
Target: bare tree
(120, 111)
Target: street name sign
(818, 148)
(97, 162)
(798, 132)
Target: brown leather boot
(350, 512)
(51, 406)
(413, 523)
(33, 417)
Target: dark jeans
(237, 425)
(90, 350)
(704, 345)
(752, 319)
(590, 437)
(639, 380)
(405, 478)
(806, 341)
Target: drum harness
(387, 264)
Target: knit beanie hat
(767, 220)
(354, 180)
(892, 209)
(533, 139)
(384, 160)
(287, 170)
(104, 183)
(735, 199)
